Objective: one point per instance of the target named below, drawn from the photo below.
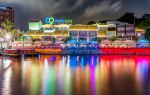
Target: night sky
(81, 11)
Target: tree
(98, 39)
(128, 18)
(18, 35)
(8, 32)
(113, 39)
(145, 24)
(91, 22)
(67, 39)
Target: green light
(51, 20)
(35, 25)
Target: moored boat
(11, 52)
(27, 52)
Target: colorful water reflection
(84, 75)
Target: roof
(3, 8)
(57, 26)
(83, 27)
(41, 33)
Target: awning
(93, 42)
(83, 42)
(143, 41)
(71, 42)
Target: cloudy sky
(80, 11)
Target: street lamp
(7, 37)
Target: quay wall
(85, 51)
(102, 51)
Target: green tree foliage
(145, 24)
(67, 39)
(113, 39)
(147, 34)
(8, 28)
(98, 39)
(91, 22)
(7, 25)
(128, 18)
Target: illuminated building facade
(107, 30)
(57, 30)
(125, 30)
(83, 32)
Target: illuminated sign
(49, 30)
(51, 20)
(35, 25)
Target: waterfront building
(125, 31)
(81, 35)
(102, 31)
(106, 31)
(85, 33)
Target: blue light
(39, 56)
(47, 20)
(51, 20)
(52, 58)
(73, 61)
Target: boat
(11, 52)
(18, 52)
(28, 52)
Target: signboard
(35, 25)
(51, 20)
(49, 30)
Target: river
(75, 75)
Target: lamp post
(7, 38)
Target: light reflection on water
(65, 75)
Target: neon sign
(51, 20)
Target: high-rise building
(6, 13)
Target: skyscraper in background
(6, 13)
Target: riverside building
(63, 31)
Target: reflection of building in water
(48, 75)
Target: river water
(75, 75)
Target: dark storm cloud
(79, 10)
